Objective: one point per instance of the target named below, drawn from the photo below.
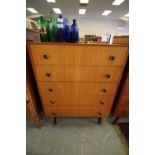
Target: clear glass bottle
(60, 27)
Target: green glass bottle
(54, 30)
(48, 31)
(43, 29)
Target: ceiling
(70, 8)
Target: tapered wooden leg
(54, 121)
(116, 120)
(99, 120)
(37, 123)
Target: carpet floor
(73, 136)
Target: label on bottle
(45, 30)
(60, 20)
(60, 25)
(41, 30)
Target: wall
(100, 27)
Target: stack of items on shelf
(31, 25)
(58, 30)
(92, 38)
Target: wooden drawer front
(78, 55)
(79, 89)
(70, 100)
(75, 112)
(74, 73)
(52, 54)
(109, 56)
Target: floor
(124, 129)
(74, 136)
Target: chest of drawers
(77, 80)
(122, 107)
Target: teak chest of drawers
(77, 80)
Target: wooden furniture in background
(122, 108)
(120, 40)
(121, 104)
(33, 106)
(32, 112)
(77, 80)
(92, 38)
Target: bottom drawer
(76, 112)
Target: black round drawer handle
(107, 75)
(53, 113)
(45, 56)
(101, 102)
(99, 113)
(104, 90)
(111, 57)
(52, 102)
(48, 74)
(50, 89)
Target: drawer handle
(45, 56)
(104, 90)
(99, 113)
(107, 75)
(52, 102)
(53, 113)
(111, 57)
(50, 89)
(48, 74)
(101, 102)
(27, 100)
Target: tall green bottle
(48, 31)
(53, 28)
(43, 29)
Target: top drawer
(60, 54)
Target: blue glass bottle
(67, 31)
(75, 31)
(60, 26)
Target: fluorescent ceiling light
(32, 10)
(118, 2)
(127, 15)
(124, 18)
(84, 1)
(50, 1)
(82, 11)
(34, 16)
(106, 12)
(57, 10)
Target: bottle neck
(74, 22)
